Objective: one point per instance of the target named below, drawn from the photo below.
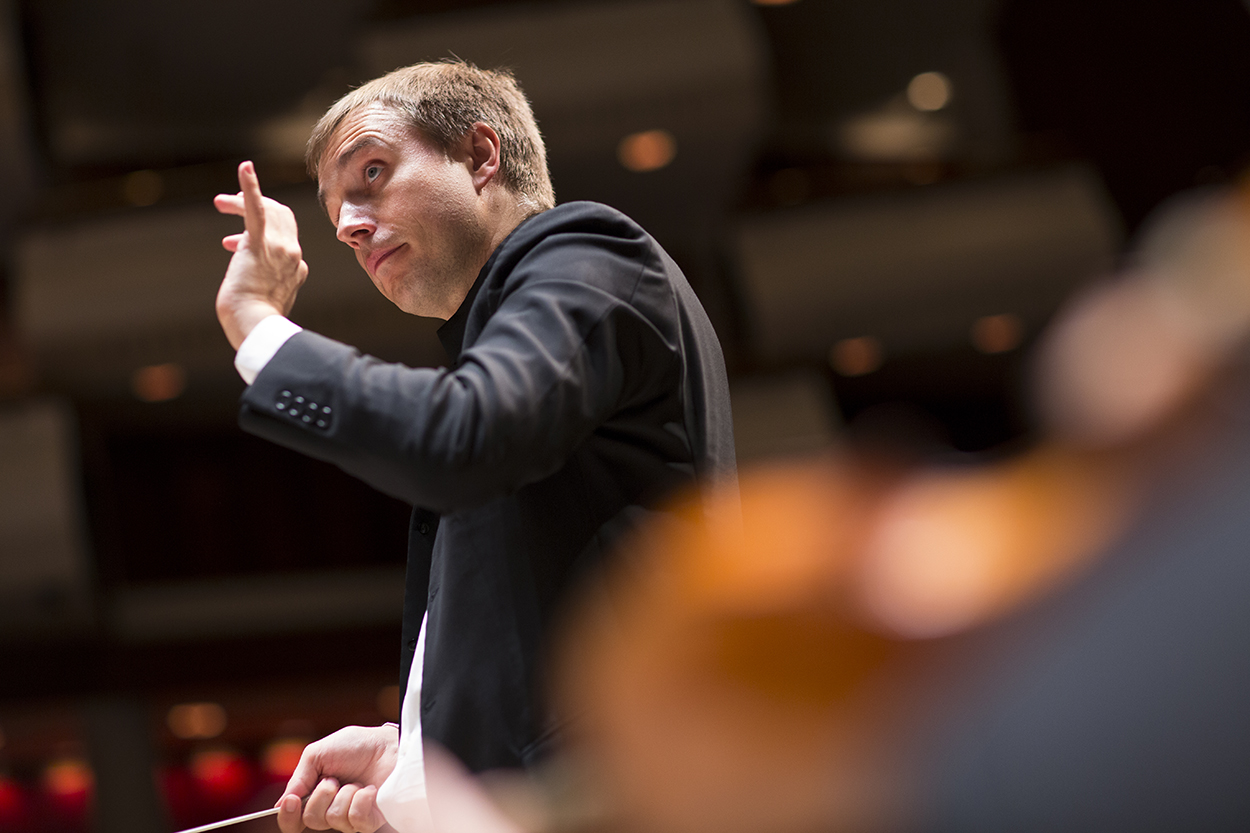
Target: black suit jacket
(586, 385)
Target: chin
(413, 306)
(400, 298)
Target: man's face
(410, 210)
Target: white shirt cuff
(260, 345)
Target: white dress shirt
(402, 797)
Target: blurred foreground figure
(1059, 641)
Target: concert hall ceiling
(880, 203)
(127, 116)
(718, 124)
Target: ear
(483, 154)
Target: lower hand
(340, 775)
(267, 268)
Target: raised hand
(267, 269)
(340, 775)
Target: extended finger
(253, 200)
(231, 242)
(318, 802)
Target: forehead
(373, 127)
(370, 124)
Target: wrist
(239, 319)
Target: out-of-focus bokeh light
(196, 721)
(857, 356)
(896, 134)
(648, 150)
(159, 382)
(282, 756)
(143, 188)
(68, 779)
(929, 92)
(14, 805)
(223, 775)
(388, 702)
(997, 333)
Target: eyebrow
(345, 158)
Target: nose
(355, 225)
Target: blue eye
(373, 172)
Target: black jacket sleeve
(552, 362)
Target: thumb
(290, 814)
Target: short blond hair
(443, 101)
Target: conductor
(584, 385)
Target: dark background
(194, 563)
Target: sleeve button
(325, 410)
(280, 405)
(299, 400)
(286, 394)
(306, 418)
(321, 423)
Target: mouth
(377, 256)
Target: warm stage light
(196, 721)
(997, 333)
(68, 777)
(222, 775)
(857, 356)
(282, 756)
(649, 150)
(159, 382)
(929, 91)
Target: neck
(504, 212)
(511, 210)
